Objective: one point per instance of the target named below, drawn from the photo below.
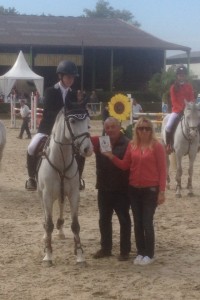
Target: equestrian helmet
(181, 70)
(67, 67)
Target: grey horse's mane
(57, 119)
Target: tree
(160, 83)
(8, 11)
(104, 10)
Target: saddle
(43, 144)
(174, 127)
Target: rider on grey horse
(180, 91)
(55, 98)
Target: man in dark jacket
(55, 98)
(112, 185)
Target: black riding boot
(31, 166)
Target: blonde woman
(145, 158)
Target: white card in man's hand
(105, 144)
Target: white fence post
(35, 113)
(131, 112)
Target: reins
(75, 149)
(62, 174)
(80, 116)
(186, 134)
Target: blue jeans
(108, 202)
(143, 205)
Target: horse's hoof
(47, 263)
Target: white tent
(20, 71)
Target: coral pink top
(185, 92)
(147, 168)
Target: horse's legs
(48, 226)
(75, 227)
(190, 173)
(60, 221)
(178, 175)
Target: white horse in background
(2, 139)
(58, 175)
(186, 142)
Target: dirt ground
(175, 275)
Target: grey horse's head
(192, 118)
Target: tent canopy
(20, 71)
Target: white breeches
(34, 142)
(171, 120)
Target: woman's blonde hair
(136, 138)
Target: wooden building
(110, 53)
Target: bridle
(188, 128)
(75, 114)
(187, 133)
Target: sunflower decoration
(119, 107)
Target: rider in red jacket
(180, 91)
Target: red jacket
(147, 169)
(185, 92)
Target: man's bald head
(112, 128)
(113, 121)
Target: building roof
(75, 31)
(182, 58)
(193, 54)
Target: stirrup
(31, 184)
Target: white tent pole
(12, 111)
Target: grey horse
(186, 142)
(58, 176)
